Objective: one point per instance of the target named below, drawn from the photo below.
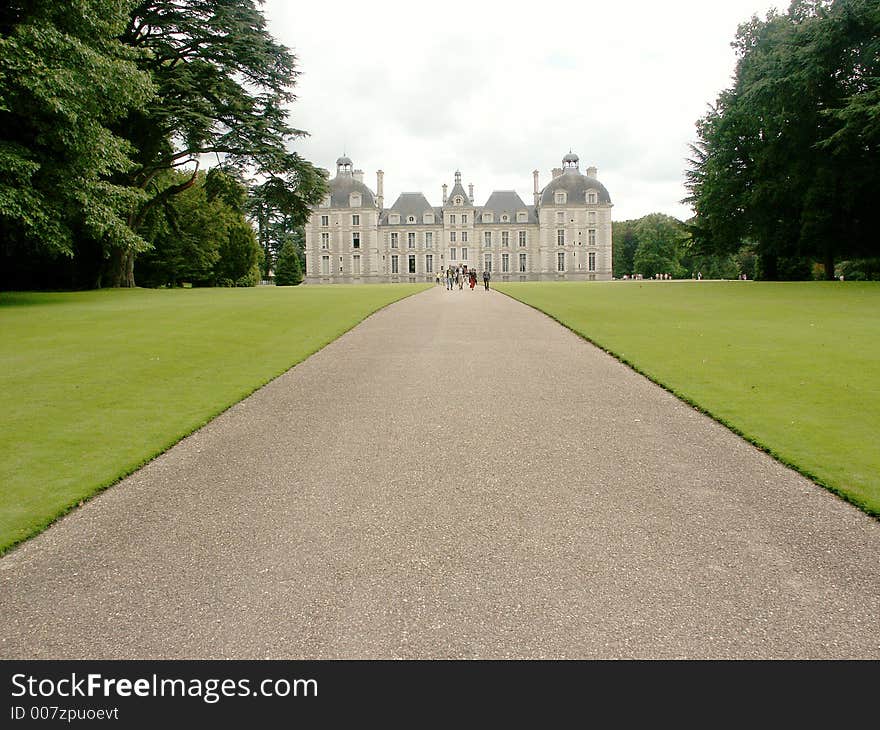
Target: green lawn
(95, 384)
(793, 367)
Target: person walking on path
(449, 279)
(459, 277)
(486, 277)
(472, 279)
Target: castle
(351, 237)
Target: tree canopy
(785, 157)
(101, 101)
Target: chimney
(471, 192)
(380, 192)
(358, 175)
(556, 172)
(591, 172)
(535, 178)
(444, 193)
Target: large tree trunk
(119, 271)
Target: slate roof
(410, 204)
(509, 202)
(576, 185)
(343, 185)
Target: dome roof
(344, 161)
(571, 157)
(342, 186)
(576, 185)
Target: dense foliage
(107, 110)
(288, 271)
(786, 158)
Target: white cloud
(498, 90)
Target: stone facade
(564, 235)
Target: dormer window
(487, 217)
(411, 219)
(560, 197)
(591, 196)
(354, 200)
(394, 219)
(505, 218)
(428, 218)
(522, 217)
(325, 203)
(458, 200)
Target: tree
(783, 157)
(623, 244)
(661, 239)
(65, 81)
(223, 84)
(288, 271)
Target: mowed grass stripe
(95, 384)
(792, 366)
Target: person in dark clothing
(486, 277)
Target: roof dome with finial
(344, 184)
(575, 185)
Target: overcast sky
(498, 89)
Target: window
(522, 217)
(355, 220)
(487, 262)
(522, 263)
(451, 236)
(592, 261)
(356, 265)
(464, 236)
(452, 219)
(464, 219)
(393, 240)
(560, 261)
(487, 238)
(505, 263)
(325, 240)
(411, 264)
(395, 265)
(411, 239)
(428, 218)
(429, 239)
(325, 203)
(325, 221)
(429, 263)
(559, 198)
(504, 218)
(325, 265)
(591, 217)
(452, 254)
(591, 236)
(487, 218)
(394, 219)
(356, 239)
(522, 238)
(560, 237)
(354, 200)
(464, 254)
(560, 217)
(591, 196)
(505, 238)
(458, 200)
(411, 219)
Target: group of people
(459, 276)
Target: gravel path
(457, 477)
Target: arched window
(458, 200)
(354, 200)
